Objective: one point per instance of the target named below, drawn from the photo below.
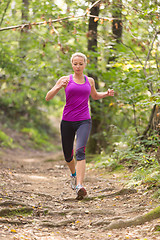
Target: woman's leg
(67, 137)
(72, 166)
(80, 171)
(83, 132)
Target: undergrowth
(5, 140)
(36, 128)
(138, 161)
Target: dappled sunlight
(33, 177)
(30, 160)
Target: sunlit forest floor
(36, 201)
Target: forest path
(36, 201)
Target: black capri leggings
(68, 131)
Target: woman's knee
(68, 160)
(80, 154)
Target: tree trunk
(25, 10)
(117, 20)
(24, 42)
(156, 127)
(117, 28)
(5, 10)
(95, 106)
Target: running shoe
(73, 182)
(81, 192)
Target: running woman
(76, 119)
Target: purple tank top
(77, 97)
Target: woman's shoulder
(64, 77)
(91, 81)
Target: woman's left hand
(110, 92)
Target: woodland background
(121, 40)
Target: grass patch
(5, 140)
(105, 161)
(38, 131)
(16, 212)
(141, 170)
(39, 138)
(148, 177)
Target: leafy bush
(109, 163)
(5, 140)
(40, 139)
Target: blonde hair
(79, 54)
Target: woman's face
(78, 64)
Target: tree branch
(135, 118)
(133, 52)
(148, 55)
(147, 58)
(157, 63)
(29, 25)
(150, 122)
(41, 23)
(5, 11)
(103, 18)
(93, 5)
(144, 66)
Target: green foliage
(137, 154)
(5, 140)
(141, 170)
(37, 133)
(7, 61)
(36, 127)
(104, 161)
(40, 139)
(14, 212)
(109, 164)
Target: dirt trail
(36, 202)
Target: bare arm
(62, 82)
(98, 95)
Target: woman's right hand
(64, 81)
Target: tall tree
(25, 10)
(24, 31)
(154, 126)
(116, 38)
(92, 49)
(4, 12)
(117, 20)
(116, 27)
